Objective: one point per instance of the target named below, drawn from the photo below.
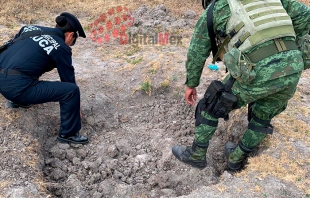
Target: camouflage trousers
(269, 99)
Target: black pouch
(214, 89)
(224, 105)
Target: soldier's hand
(190, 95)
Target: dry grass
(30, 11)
(289, 165)
(14, 13)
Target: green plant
(165, 83)
(146, 86)
(132, 51)
(86, 28)
(152, 71)
(127, 60)
(136, 61)
(175, 78)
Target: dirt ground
(133, 107)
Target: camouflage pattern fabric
(200, 46)
(203, 132)
(276, 76)
(304, 47)
(238, 66)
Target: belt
(11, 72)
(277, 46)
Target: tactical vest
(253, 22)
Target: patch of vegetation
(175, 78)
(153, 71)
(146, 86)
(136, 61)
(132, 51)
(165, 83)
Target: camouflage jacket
(200, 46)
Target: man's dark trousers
(25, 90)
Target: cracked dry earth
(131, 133)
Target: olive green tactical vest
(253, 22)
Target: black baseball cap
(75, 23)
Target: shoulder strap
(229, 83)
(27, 35)
(24, 36)
(211, 31)
(32, 33)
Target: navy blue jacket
(39, 54)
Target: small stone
(124, 119)
(113, 151)
(190, 14)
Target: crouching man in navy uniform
(39, 50)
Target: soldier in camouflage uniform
(277, 75)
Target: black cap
(75, 23)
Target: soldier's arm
(300, 15)
(200, 47)
(198, 52)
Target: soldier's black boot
(233, 164)
(194, 155)
(229, 148)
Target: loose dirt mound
(133, 113)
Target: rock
(98, 195)
(75, 187)
(57, 174)
(81, 153)
(106, 188)
(113, 151)
(189, 14)
(167, 193)
(124, 119)
(29, 190)
(57, 152)
(70, 154)
(141, 10)
(63, 146)
(76, 161)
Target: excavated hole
(132, 156)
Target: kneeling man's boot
(235, 165)
(194, 155)
(74, 139)
(14, 105)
